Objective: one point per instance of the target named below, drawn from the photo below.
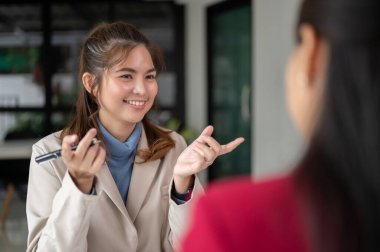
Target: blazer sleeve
(178, 214)
(58, 213)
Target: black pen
(57, 153)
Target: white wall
(275, 142)
(196, 62)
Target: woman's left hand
(198, 156)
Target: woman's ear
(87, 80)
(305, 79)
(311, 54)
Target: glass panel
(21, 125)
(59, 120)
(230, 46)
(70, 24)
(20, 55)
(7, 122)
(29, 125)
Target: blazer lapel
(107, 184)
(143, 175)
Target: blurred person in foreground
(331, 200)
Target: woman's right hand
(85, 161)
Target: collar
(118, 149)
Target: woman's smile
(136, 104)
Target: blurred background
(225, 64)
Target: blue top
(120, 157)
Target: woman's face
(294, 93)
(128, 90)
(305, 80)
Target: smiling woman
(133, 192)
(123, 57)
(131, 89)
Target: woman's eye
(151, 77)
(126, 76)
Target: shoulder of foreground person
(251, 215)
(243, 186)
(242, 196)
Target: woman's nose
(139, 87)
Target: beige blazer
(62, 218)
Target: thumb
(207, 131)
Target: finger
(85, 143)
(231, 146)
(207, 131)
(199, 151)
(212, 143)
(67, 142)
(208, 153)
(99, 159)
(90, 156)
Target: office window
(39, 54)
(70, 25)
(20, 51)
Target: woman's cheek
(154, 90)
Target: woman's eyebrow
(151, 70)
(128, 69)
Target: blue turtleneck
(120, 157)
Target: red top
(241, 215)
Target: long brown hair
(340, 172)
(107, 45)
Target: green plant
(188, 134)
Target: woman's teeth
(136, 103)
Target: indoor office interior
(224, 67)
